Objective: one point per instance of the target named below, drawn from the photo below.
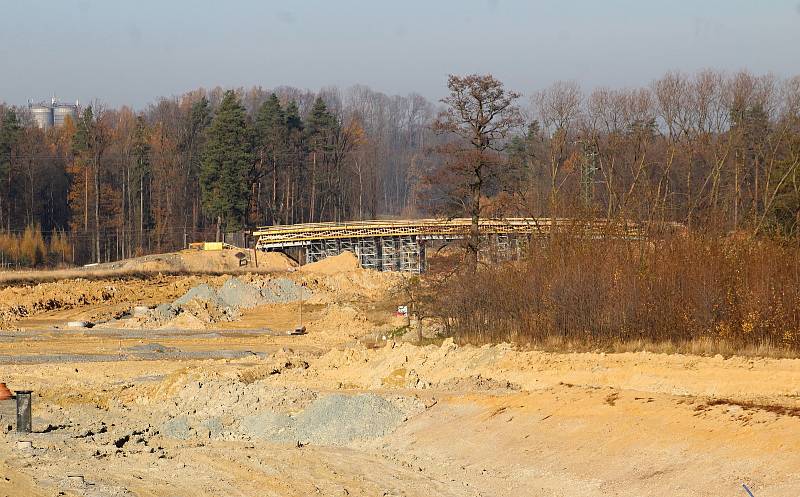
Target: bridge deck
(296, 235)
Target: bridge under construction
(400, 245)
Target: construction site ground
(231, 405)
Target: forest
(714, 151)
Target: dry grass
(777, 409)
(685, 294)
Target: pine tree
(140, 154)
(197, 122)
(271, 147)
(293, 120)
(78, 171)
(319, 130)
(226, 164)
(10, 131)
(295, 154)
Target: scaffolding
(369, 256)
(315, 251)
(390, 254)
(410, 255)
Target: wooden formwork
(400, 244)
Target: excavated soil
(205, 261)
(346, 261)
(235, 406)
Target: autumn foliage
(687, 293)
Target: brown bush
(683, 293)
(32, 249)
(60, 247)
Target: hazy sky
(136, 50)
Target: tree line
(719, 154)
(119, 183)
(714, 151)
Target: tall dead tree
(480, 113)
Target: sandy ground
(111, 404)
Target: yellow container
(212, 246)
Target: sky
(132, 52)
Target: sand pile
(446, 367)
(350, 286)
(202, 261)
(346, 261)
(341, 320)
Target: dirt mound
(221, 409)
(341, 320)
(29, 300)
(203, 304)
(357, 285)
(228, 260)
(275, 261)
(346, 261)
(201, 261)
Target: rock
(79, 324)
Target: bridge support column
(332, 247)
(348, 244)
(390, 254)
(315, 251)
(368, 254)
(411, 255)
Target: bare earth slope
(241, 408)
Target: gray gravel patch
(176, 355)
(273, 426)
(283, 290)
(177, 428)
(236, 293)
(164, 312)
(200, 292)
(151, 347)
(331, 420)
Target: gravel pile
(340, 419)
(238, 294)
(200, 292)
(246, 412)
(331, 420)
(203, 304)
(283, 290)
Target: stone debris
(335, 419)
(202, 304)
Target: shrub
(730, 292)
(32, 248)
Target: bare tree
(481, 113)
(558, 108)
